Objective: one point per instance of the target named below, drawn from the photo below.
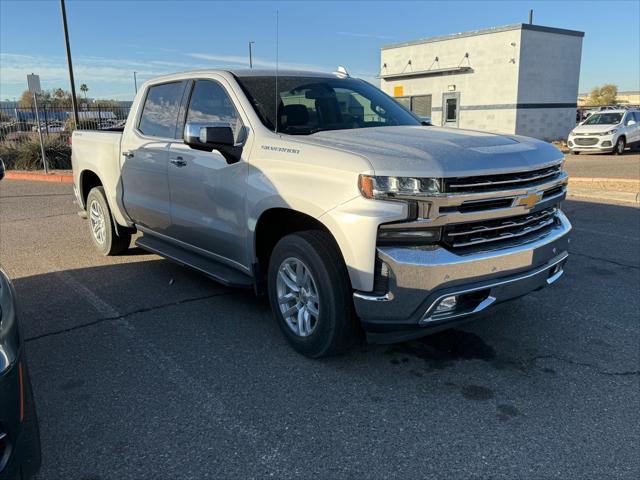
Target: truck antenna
(277, 95)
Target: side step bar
(215, 270)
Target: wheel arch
(88, 179)
(275, 223)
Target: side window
(160, 111)
(211, 104)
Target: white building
(520, 79)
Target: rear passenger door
(145, 156)
(207, 192)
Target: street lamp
(69, 63)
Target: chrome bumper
(420, 277)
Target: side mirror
(216, 136)
(209, 137)
(631, 122)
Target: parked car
(328, 197)
(606, 131)
(19, 434)
(52, 127)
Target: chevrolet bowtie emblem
(530, 200)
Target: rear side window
(210, 104)
(160, 112)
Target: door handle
(178, 162)
(127, 154)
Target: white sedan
(606, 131)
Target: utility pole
(250, 55)
(70, 64)
(135, 82)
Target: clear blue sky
(112, 39)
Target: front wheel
(310, 294)
(619, 148)
(101, 225)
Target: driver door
(208, 193)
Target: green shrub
(27, 156)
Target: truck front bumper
(430, 289)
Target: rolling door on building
(421, 105)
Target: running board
(215, 270)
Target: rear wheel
(310, 294)
(619, 148)
(101, 225)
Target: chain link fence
(19, 125)
(20, 140)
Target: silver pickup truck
(323, 193)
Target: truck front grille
(491, 233)
(503, 181)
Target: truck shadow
(57, 302)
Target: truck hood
(439, 152)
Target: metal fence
(19, 125)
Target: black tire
(336, 327)
(620, 146)
(112, 243)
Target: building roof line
(487, 31)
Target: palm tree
(84, 89)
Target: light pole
(250, 55)
(135, 81)
(69, 63)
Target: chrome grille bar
(492, 231)
(506, 224)
(491, 181)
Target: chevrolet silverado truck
(326, 195)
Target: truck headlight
(390, 188)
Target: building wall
(523, 78)
(491, 81)
(549, 75)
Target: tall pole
(135, 82)
(69, 63)
(44, 158)
(250, 55)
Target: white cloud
(243, 62)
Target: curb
(39, 177)
(606, 184)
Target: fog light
(606, 144)
(447, 304)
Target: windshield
(603, 119)
(311, 104)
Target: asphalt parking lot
(145, 370)
(604, 165)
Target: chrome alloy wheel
(298, 297)
(98, 227)
(620, 146)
